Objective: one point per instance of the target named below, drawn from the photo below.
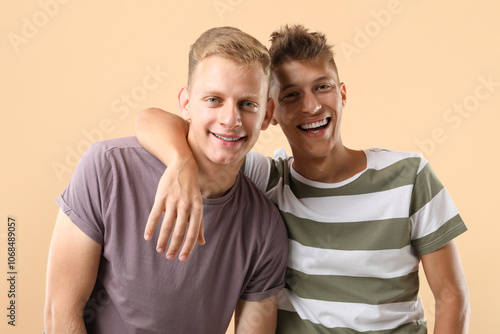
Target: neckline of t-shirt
(219, 200)
(326, 185)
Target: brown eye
(323, 87)
(290, 95)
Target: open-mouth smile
(315, 127)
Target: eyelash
(245, 104)
(319, 87)
(249, 104)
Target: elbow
(464, 303)
(454, 305)
(143, 116)
(466, 309)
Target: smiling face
(309, 101)
(227, 106)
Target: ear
(343, 92)
(183, 101)
(268, 117)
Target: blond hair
(231, 43)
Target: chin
(227, 161)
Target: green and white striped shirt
(354, 246)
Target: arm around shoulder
(71, 274)
(163, 134)
(446, 278)
(178, 195)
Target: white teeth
(314, 125)
(226, 138)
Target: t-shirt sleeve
(434, 219)
(269, 277)
(256, 168)
(85, 198)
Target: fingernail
(182, 258)
(170, 257)
(160, 250)
(147, 237)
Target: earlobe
(183, 101)
(268, 118)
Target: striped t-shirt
(354, 246)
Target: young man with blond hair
(104, 278)
(359, 221)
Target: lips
(315, 127)
(228, 139)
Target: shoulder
(253, 194)
(107, 146)
(124, 150)
(380, 158)
(256, 201)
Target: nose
(310, 103)
(229, 115)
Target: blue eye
(212, 100)
(249, 104)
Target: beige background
(72, 72)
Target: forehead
(222, 73)
(302, 73)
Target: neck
(216, 180)
(340, 164)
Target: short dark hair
(297, 43)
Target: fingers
(183, 218)
(153, 218)
(177, 235)
(182, 226)
(166, 229)
(195, 229)
(201, 235)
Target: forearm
(62, 320)
(164, 135)
(452, 313)
(447, 281)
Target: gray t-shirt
(109, 198)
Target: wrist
(184, 161)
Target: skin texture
(72, 271)
(256, 317)
(309, 92)
(446, 278)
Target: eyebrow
(244, 95)
(325, 77)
